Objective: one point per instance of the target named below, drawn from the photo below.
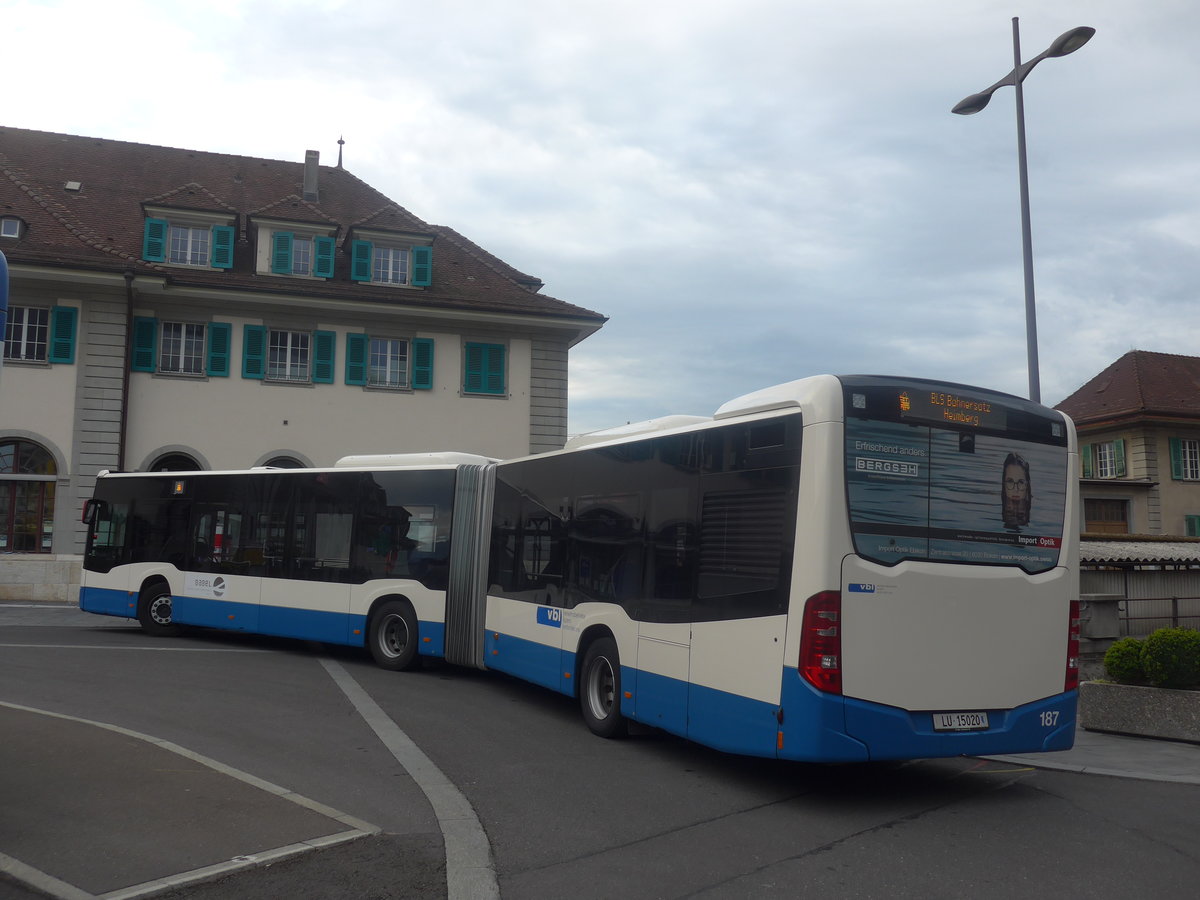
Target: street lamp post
(1063, 44)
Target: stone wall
(40, 577)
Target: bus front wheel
(393, 636)
(600, 690)
(154, 611)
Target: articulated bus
(836, 569)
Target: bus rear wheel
(392, 636)
(154, 612)
(600, 690)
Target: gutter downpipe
(125, 370)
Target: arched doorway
(284, 462)
(28, 477)
(175, 462)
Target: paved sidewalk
(1120, 756)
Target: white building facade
(174, 309)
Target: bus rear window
(985, 489)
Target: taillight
(821, 642)
(1072, 680)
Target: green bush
(1123, 661)
(1171, 657)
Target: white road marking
(356, 828)
(470, 873)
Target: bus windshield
(938, 474)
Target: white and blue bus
(836, 569)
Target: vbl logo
(549, 616)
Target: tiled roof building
(1139, 435)
(173, 307)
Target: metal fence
(1153, 598)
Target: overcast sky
(751, 190)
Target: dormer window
(10, 227)
(189, 239)
(189, 246)
(294, 251)
(385, 259)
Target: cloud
(751, 190)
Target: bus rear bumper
(890, 733)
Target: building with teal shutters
(175, 309)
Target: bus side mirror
(94, 511)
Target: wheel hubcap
(160, 610)
(601, 688)
(393, 636)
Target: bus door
(219, 589)
(664, 652)
(306, 529)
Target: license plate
(960, 721)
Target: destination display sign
(947, 408)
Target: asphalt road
(455, 782)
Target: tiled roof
(1140, 384)
(100, 225)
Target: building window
(1191, 526)
(386, 362)
(484, 369)
(1105, 459)
(288, 356)
(189, 246)
(27, 334)
(10, 227)
(27, 482)
(390, 266)
(391, 263)
(1185, 459)
(280, 355)
(182, 349)
(298, 254)
(1106, 516)
(36, 334)
(388, 366)
(301, 256)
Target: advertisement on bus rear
(917, 491)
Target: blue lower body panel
(828, 728)
(108, 602)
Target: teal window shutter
(323, 257)
(1085, 456)
(220, 335)
(361, 253)
(1176, 458)
(145, 342)
(154, 240)
(1119, 456)
(422, 266)
(62, 334)
(484, 369)
(324, 351)
(222, 247)
(1192, 526)
(254, 351)
(422, 354)
(281, 253)
(356, 358)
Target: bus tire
(393, 636)
(154, 611)
(600, 690)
